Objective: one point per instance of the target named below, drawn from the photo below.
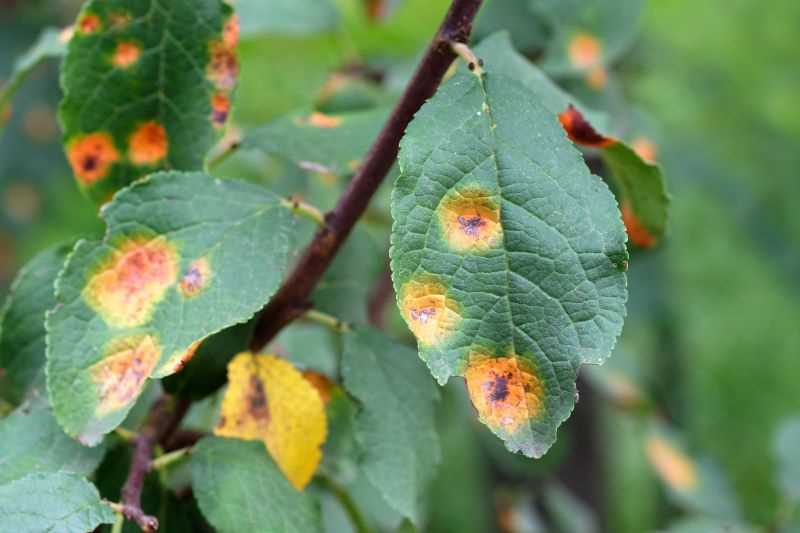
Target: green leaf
(239, 488)
(508, 256)
(49, 44)
(701, 524)
(22, 331)
(31, 441)
(56, 501)
(184, 256)
(147, 85)
(286, 17)
(395, 428)
(639, 185)
(326, 144)
(787, 444)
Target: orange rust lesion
(126, 54)
(319, 120)
(220, 109)
(671, 465)
(646, 149)
(148, 144)
(89, 23)
(470, 220)
(321, 383)
(230, 32)
(506, 391)
(584, 51)
(119, 19)
(638, 234)
(178, 360)
(196, 278)
(120, 375)
(580, 131)
(127, 285)
(223, 67)
(91, 156)
(430, 314)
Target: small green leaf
(325, 144)
(787, 445)
(286, 17)
(239, 488)
(639, 184)
(702, 524)
(508, 256)
(147, 86)
(50, 43)
(395, 428)
(55, 501)
(22, 331)
(184, 256)
(31, 441)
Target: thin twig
(326, 320)
(305, 209)
(164, 417)
(379, 296)
(357, 519)
(474, 63)
(169, 458)
(292, 299)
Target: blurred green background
(712, 337)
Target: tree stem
(292, 299)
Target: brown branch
(164, 417)
(292, 299)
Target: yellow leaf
(269, 400)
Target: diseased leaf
(147, 85)
(395, 428)
(239, 488)
(55, 501)
(638, 181)
(22, 331)
(787, 451)
(268, 399)
(286, 17)
(184, 256)
(50, 43)
(320, 143)
(32, 441)
(508, 256)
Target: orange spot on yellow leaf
(431, 315)
(637, 233)
(196, 278)
(133, 279)
(671, 465)
(91, 156)
(470, 220)
(580, 131)
(321, 382)
(646, 149)
(269, 400)
(121, 374)
(230, 32)
(89, 23)
(320, 120)
(505, 391)
(148, 144)
(220, 109)
(584, 51)
(126, 54)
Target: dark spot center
(499, 390)
(471, 225)
(90, 163)
(257, 400)
(423, 315)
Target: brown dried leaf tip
(580, 131)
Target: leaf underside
(507, 256)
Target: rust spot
(637, 233)
(584, 51)
(377, 9)
(148, 144)
(196, 278)
(220, 108)
(320, 120)
(230, 32)
(505, 391)
(222, 67)
(646, 149)
(672, 466)
(88, 23)
(321, 382)
(121, 374)
(178, 360)
(597, 77)
(580, 131)
(126, 54)
(91, 156)
(258, 407)
(430, 314)
(129, 283)
(119, 19)
(470, 220)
